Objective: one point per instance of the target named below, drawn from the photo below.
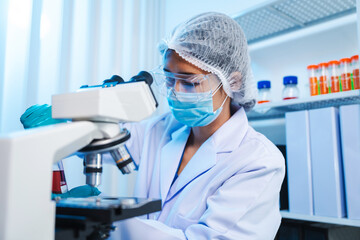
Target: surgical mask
(194, 109)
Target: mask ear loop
(224, 101)
(217, 89)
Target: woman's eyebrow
(186, 73)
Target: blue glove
(38, 115)
(78, 192)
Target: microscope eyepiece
(143, 76)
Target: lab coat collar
(229, 136)
(202, 161)
(225, 139)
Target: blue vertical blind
(54, 46)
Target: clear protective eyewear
(179, 83)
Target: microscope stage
(107, 209)
(93, 217)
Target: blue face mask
(193, 109)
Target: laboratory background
(304, 57)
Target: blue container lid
(264, 84)
(290, 80)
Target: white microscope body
(27, 157)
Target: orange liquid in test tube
(324, 89)
(356, 78)
(323, 79)
(334, 71)
(355, 71)
(346, 81)
(345, 74)
(335, 84)
(313, 86)
(313, 81)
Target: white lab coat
(228, 190)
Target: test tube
(345, 74)
(59, 182)
(323, 78)
(313, 81)
(334, 72)
(355, 71)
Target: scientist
(217, 177)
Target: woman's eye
(188, 84)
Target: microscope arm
(25, 176)
(26, 157)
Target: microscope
(26, 208)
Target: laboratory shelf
(278, 109)
(278, 17)
(318, 219)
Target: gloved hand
(78, 192)
(38, 115)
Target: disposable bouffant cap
(215, 43)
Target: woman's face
(175, 64)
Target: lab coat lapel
(170, 159)
(224, 140)
(203, 160)
(229, 136)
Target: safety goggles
(174, 83)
